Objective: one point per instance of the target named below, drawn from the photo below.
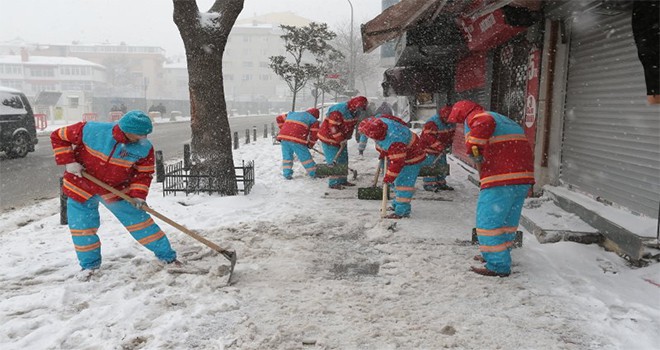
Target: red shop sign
(487, 31)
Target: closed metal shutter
(611, 145)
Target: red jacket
(334, 129)
(436, 139)
(507, 154)
(300, 127)
(105, 153)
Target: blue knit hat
(136, 122)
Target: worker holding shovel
(504, 158)
(405, 153)
(437, 136)
(297, 135)
(334, 133)
(120, 155)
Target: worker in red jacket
(336, 130)
(500, 148)
(437, 136)
(405, 155)
(297, 135)
(120, 155)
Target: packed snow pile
(317, 269)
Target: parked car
(18, 133)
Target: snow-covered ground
(317, 269)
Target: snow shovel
(353, 171)
(373, 192)
(230, 255)
(434, 169)
(334, 169)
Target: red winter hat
(374, 128)
(461, 110)
(357, 102)
(314, 112)
(444, 113)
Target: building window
(264, 77)
(42, 72)
(73, 101)
(247, 64)
(246, 77)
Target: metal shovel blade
(323, 170)
(231, 256)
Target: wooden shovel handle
(383, 204)
(380, 164)
(146, 208)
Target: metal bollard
(254, 133)
(265, 131)
(235, 139)
(160, 167)
(247, 136)
(272, 129)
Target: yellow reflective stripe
(62, 134)
(391, 173)
(141, 225)
(75, 189)
(115, 161)
(510, 176)
(403, 200)
(477, 140)
(495, 248)
(139, 187)
(86, 248)
(397, 156)
(291, 138)
(496, 231)
(145, 168)
(84, 232)
(504, 138)
(151, 238)
(307, 161)
(405, 188)
(60, 150)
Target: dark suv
(18, 134)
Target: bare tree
(204, 37)
(366, 65)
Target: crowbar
(230, 255)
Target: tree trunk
(205, 37)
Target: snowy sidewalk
(316, 267)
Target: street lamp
(351, 68)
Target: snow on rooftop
(47, 60)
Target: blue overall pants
(288, 150)
(330, 151)
(404, 189)
(498, 215)
(84, 221)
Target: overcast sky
(146, 22)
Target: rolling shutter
(611, 145)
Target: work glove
(139, 203)
(478, 159)
(388, 180)
(74, 168)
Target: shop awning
(405, 81)
(395, 20)
(401, 17)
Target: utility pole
(351, 68)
